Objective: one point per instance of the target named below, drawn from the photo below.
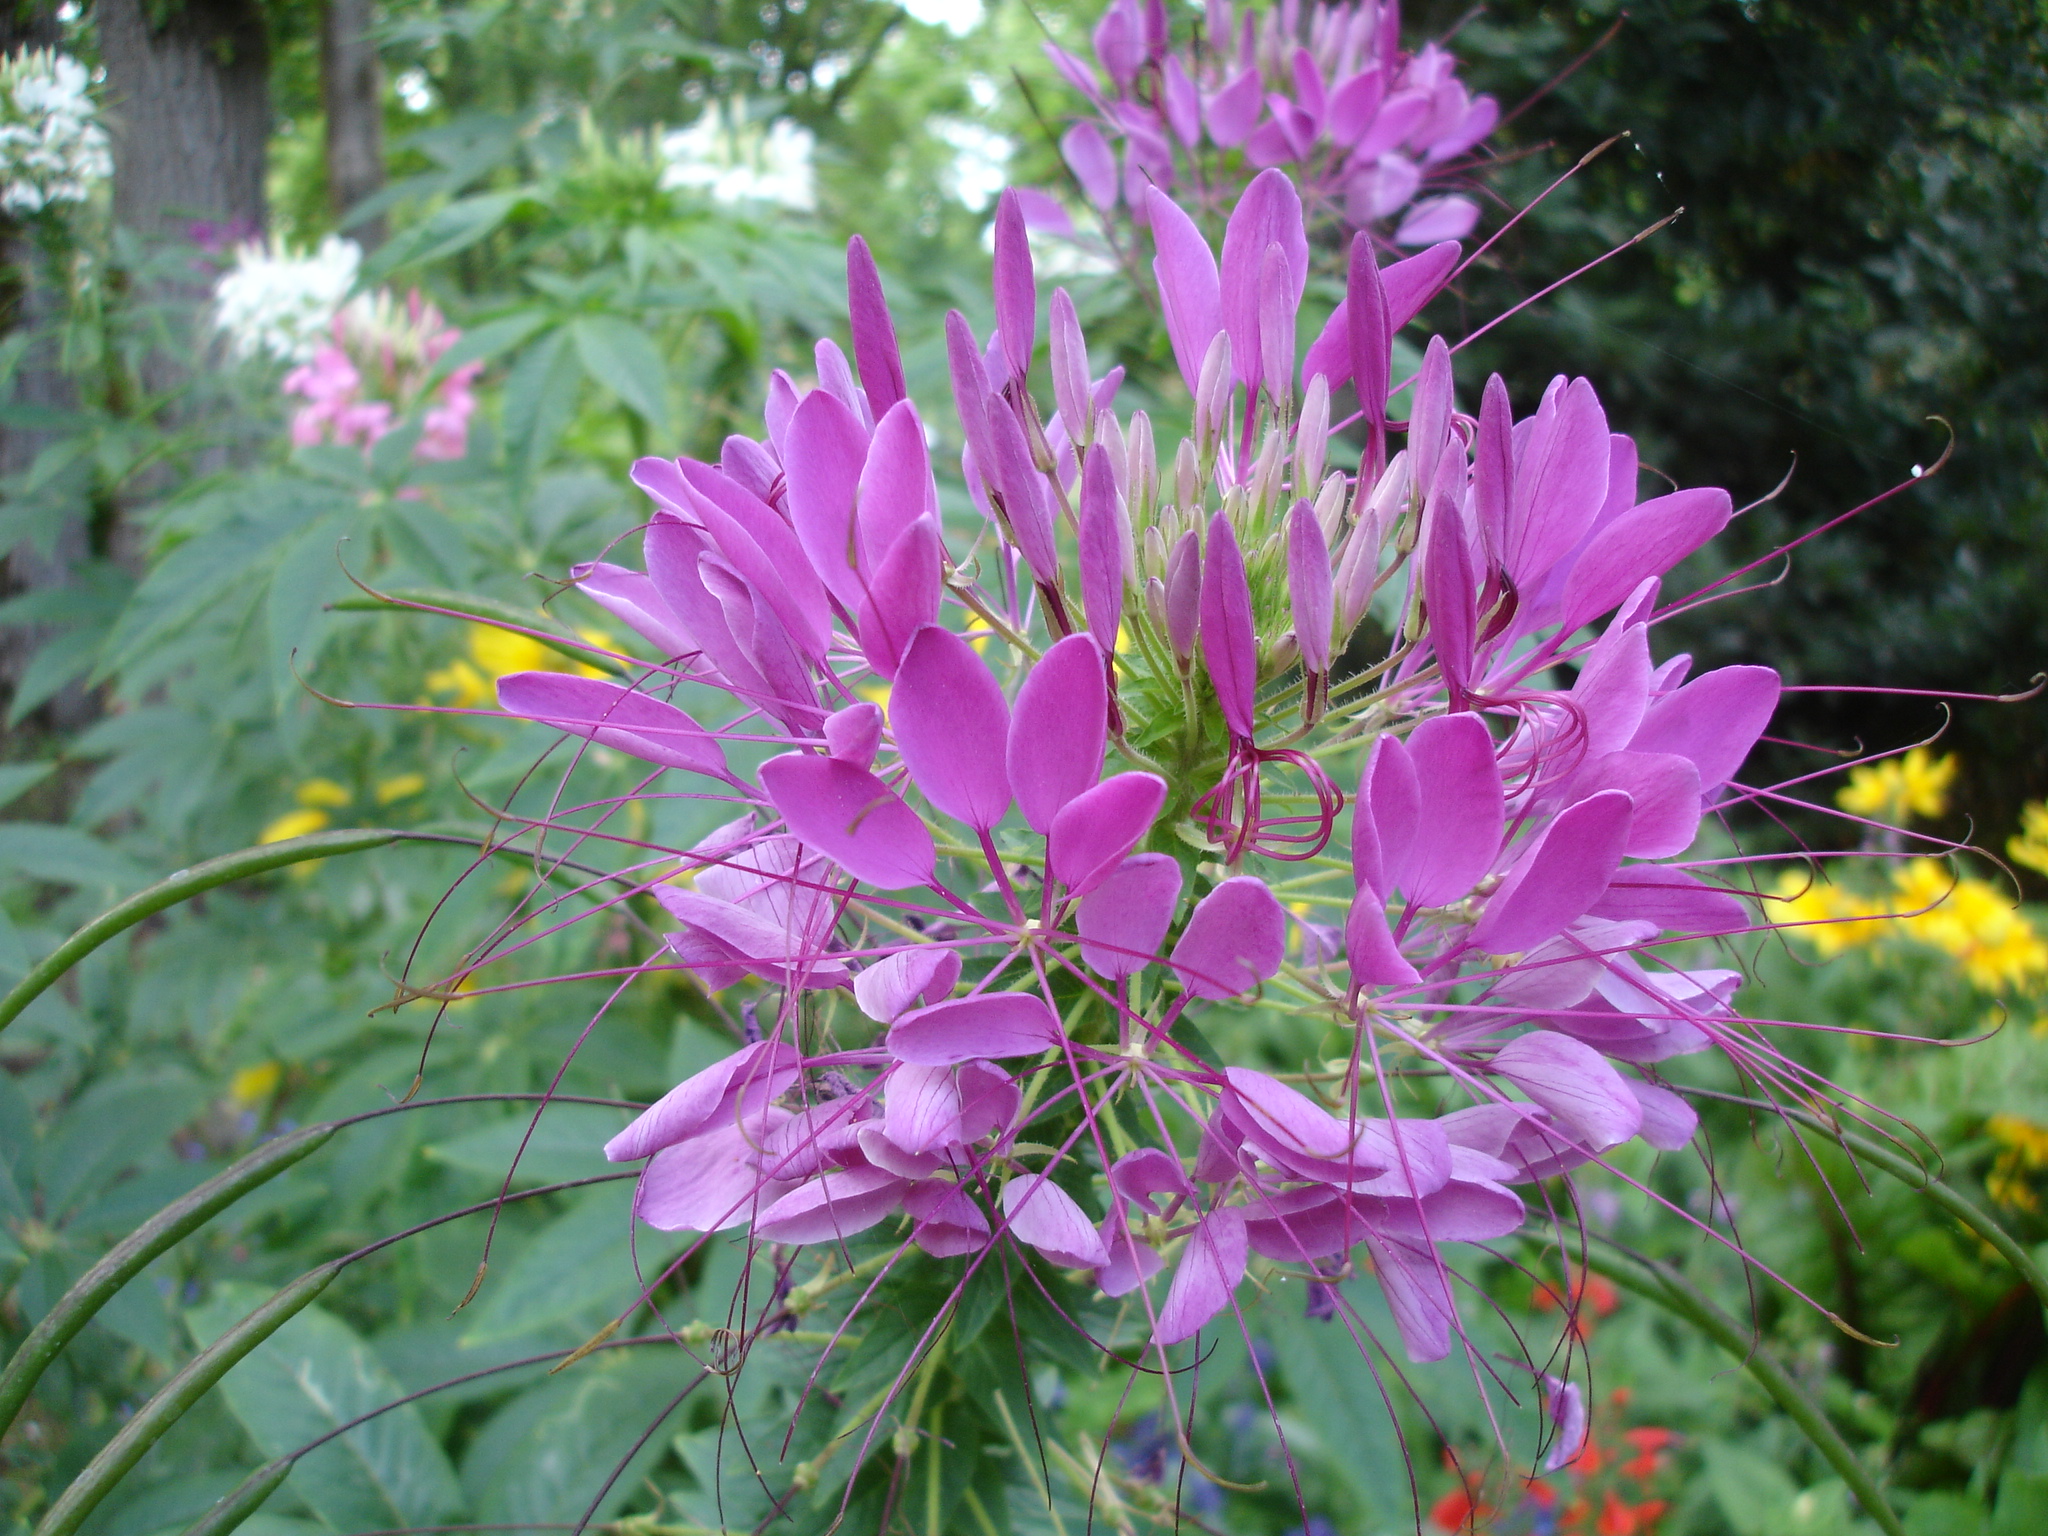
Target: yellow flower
(252, 1085)
(402, 786)
(1833, 919)
(1973, 921)
(2025, 1150)
(876, 694)
(1914, 785)
(321, 794)
(493, 652)
(499, 651)
(294, 824)
(467, 687)
(2029, 846)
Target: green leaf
(484, 342)
(618, 356)
(59, 660)
(307, 577)
(64, 856)
(1323, 1366)
(115, 1126)
(540, 397)
(455, 227)
(2022, 1504)
(312, 1375)
(542, 1458)
(15, 778)
(567, 1144)
(1755, 1494)
(578, 1264)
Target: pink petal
(1015, 289)
(1096, 831)
(631, 597)
(1102, 550)
(1124, 920)
(711, 1182)
(1575, 1083)
(1407, 286)
(1045, 1216)
(833, 1207)
(903, 597)
(1093, 163)
(1493, 466)
(922, 1109)
(1562, 875)
(1183, 102)
(740, 1084)
(854, 734)
(989, 1100)
(1230, 646)
(823, 456)
(1309, 586)
(989, 1027)
(613, 716)
(1436, 219)
(1463, 812)
(1448, 588)
(1189, 290)
(1714, 720)
(764, 549)
(951, 727)
(851, 817)
(1268, 213)
(949, 1223)
(1369, 948)
(1210, 1268)
(774, 950)
(1235, 939)
(1646, 540)
(1184, 594)
(1234, 109)
(1058, 730)
(1560, 482)
(1148, 1171)
(1665, 790)
(898, 982)
(874, 333)
(1669, 1123)
(1418, 1293)
(1131, 1262)
(896, 486)
(1354, 103)
(1672, 899)
(1389, 808)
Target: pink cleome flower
(376, 371)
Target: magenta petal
(1560, 877)
(874, 333)
(1309, 586)
(1354, 102)
(1093, 163)
(710, 1182)
(1149, 1171)
(1565, 1402)
(989, 1100)
(922, 1110)
(1369, 336)
(1647, 540)
(774, 949)
(1406, 287)
(896, 488)
(1672, 899)
(1665, 790)
(1447, 588)
(742, 1083)
(1282, 1121)
(1189, 290)
(1235, 938)
(903, 596)
(1102, 550)
(1267, 213)
(1023, 491)
(900, 981)
(823, 456)
(854, 734)
(1210, 1268)
(989, 1027)
(764, 549)
(951, 727)
(1124, 920)
(1668, 1121)
(1095, 831)
(851, 817)
(970, 389)
(1015, 289)
(949, 1223)
(833, 1207)
(1131, 1262)
(1418, 1293)
(613, 716)
(1389, 806)
(1058, 730)
(1235, 109)
(632, 598)
(1045, 1216)
(1230, 646)
(1184, 594)
(1560, 482)
(1375, 960)
(1714, 720)
(1575, 1083)
(1463, 811)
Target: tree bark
(188, 100)
(352, 90)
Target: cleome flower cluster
(1323, 91)
(1225, 730)
(53, 148)
(375, 368)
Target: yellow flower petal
(401, 786)
(322, 793)
(293, 824)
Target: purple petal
(1146, 1172)
(1418, 1293)
(970, 389)
(989, 1027)
(896, 486)
(851, 817)
(613, 716)
(737, 518)
(1560, 482)
(951, 727)
(1714, 720)
(1182, 101)
(1447, 587)
(1493, 466)
(1045, 1216)
(825, 451)
(835, 377)
(1672, 899)
(1189, 290)
(1268, 213)
(1430, 421)
(1069, 356)
(1058, 730)
(1093, 163)
(1309, 586)
(1015, 289)
(1023, 491)
(949, 1223)
(1184, 594)
(1230, 646)
(1668, 1121)
(1102, 550)
(922, 1110)
(738, 1085)
(1354, 103)
(1437, 219)
(775, 949)
(711, 1182)
(1566, 1405)
(1612, 690)
(1369, 337)
(989, 1100)
(1575, 1083)
(898, 982)
(1234, 109)
(1369, 948)
(1235, 938)
(1210, 1268)
(1284, 1122)
(1389, 807)
(632, 598)
(903, 597)
(1463, 812)
(1562, 875)
(1665, 790)
(833, 1207)
(854, 734)
(874, 333)
(1647, 540)
(1407, 286)
(1096, 830)
(1123, 921)
(1131, 1262)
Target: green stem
(175, 1221)
(1660, 1283)
(246, 1499)
(488, 609)
(120, 1454)
(185, 884)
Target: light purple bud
(1070, 370)
(1276, 321)
(1312, 436)
(874, 333)
(1212, 393)
(1309, 587)
(1016, 291)
(1184, 594)
(1103, 533)
(1093, 163)
(1230, 645)
(854, 734)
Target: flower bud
(1184, 594)
(1312, 435)
(1142, 481)
(1070, 370)
(1111, 437)
(1187, 477)
(1330, 508)
(1212, 395)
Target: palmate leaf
(312, 1375)
(582, 1261)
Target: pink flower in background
(375, 370)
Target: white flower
(278, 302)
(52, 147)
(735, 161)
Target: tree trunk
(352, 90)
(188, 96)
